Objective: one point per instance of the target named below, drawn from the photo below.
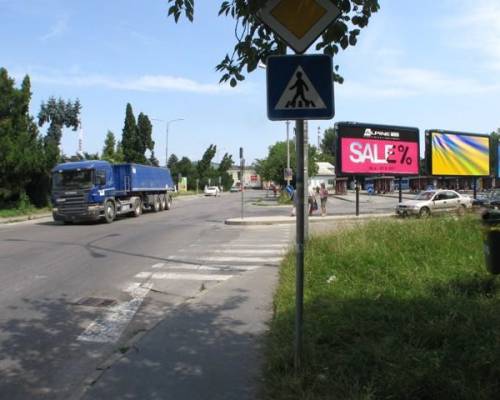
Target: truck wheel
(163, 202)
(156, 203)
(109, 212)
(168, 204)
(137, 208)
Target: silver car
(434, 202)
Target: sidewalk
(208, 349)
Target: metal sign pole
(242, 186)
(357, 197)
(299, 256)
(305, 144)
(400, 190)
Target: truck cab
(80, 190)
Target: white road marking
(276, 252)
(159, 265)
(262, 246)
(243, 259)
(190, 277)
(109, 327)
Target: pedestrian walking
(323, 196)
(313, 204)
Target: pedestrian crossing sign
(300, 87)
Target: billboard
(458, 154)
(370, 149)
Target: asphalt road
(130, 272)
(73, 296)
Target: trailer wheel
(156, 203)
(137, 208)
(109, 211)
(168, 204)
(163, 202)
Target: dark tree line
(27, 157)
(203, 172)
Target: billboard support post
(357, 196)
(400, 190)
(299, 240)
(475, 187)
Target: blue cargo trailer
(99, 190)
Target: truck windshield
(77, 179)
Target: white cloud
(145, 83)
(60, 26)
(474, 26)
(400, 82)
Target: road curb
(23, 218)
(292, 220)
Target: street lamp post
(166, 134)
(166, 141)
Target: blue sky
(430, 64)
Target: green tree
(272, 167)
(186, 169)
(21, 149)
(58, 114)
(109, 150)
(144, 133)
(119, 157)
(130, 139)
(224, 166)
(204, 166)
(254, 41)
(153, 160)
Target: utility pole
(242, 184)
(319, 134)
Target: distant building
(325, 174)
(250, 177)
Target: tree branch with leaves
(255, 41)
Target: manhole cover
(95, 302)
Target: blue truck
(95, 190)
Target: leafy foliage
(328, 146)
(108, 152)
(255, 41)
(144, 131)
(130, 138)
(58, 114)
(21, 149)
(272, 167)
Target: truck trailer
(95, 190)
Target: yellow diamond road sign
(299, 22)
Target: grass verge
(15, 212)
(392, 310)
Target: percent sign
(404, 158)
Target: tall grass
(393, 310)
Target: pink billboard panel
(379, 156)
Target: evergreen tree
(108, 152)
(144, 132)
(130, 138)
(153, 160)
(119, 157)
(21, 150)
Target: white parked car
(212, 191)
(434, 202)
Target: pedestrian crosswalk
(207, 261)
